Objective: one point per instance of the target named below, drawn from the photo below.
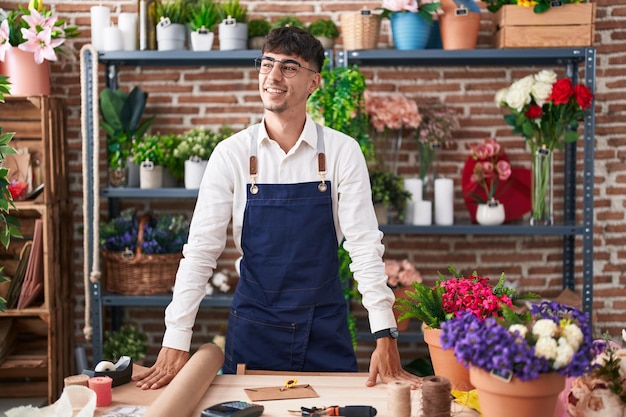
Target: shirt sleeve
(363, 239)
(206, 242)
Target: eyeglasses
(288, 67)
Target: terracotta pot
(458, 26)
(400, 292)
(27, 77)
(445, 363)
(536, 398)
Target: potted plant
(326, 31)
(257, 32)
(459, 24)
(388, 192)
(171, 17)
(204, 17)
(233, 30)
(518, 362)
(150, 154)
(195, 148)
(127, 341)
(122, 121)
(411, 21)
(289, 20)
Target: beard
(276, 108)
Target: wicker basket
(137, 273)
(360, 30)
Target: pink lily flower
(4, 39)
(37, 22)
(40, 44)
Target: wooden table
(333, 390)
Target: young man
(293, 190)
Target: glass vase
(542, 187)
(429, 165)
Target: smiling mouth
(273, 90)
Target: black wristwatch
(391, 332)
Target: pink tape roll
(101, 385)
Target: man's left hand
(385, 362)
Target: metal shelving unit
(570, 58)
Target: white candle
(112, 39)
(100, 19)
(127, 23)
(444, 201)
(143, 26)
(414, 186)
(422, 213)
(408, 212)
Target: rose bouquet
(551, 337)
(490, 173)
(34, 30)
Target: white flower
(564, 354)
(541, 92)
(517, 97)
(546, 76)
(544, 328)
(574, 335)
(547, 348)
(520, 328)
(501, 96)
(624, 335)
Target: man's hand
(168, 364)
(386, 363)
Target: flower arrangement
(35, 30)
(551, 337)
(450, 298)
(491, 171)
(411, 6)
(198, 144)
(401, 273)
(545, 109)
(602, 391)
(539, 6)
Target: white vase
(202, 40)
(194, 170)
(490, 214)
(170, 36)
(233, 35)
(150, 175)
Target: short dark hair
(291, 40)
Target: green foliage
(127, 341)
(173, 164)
(233, 9)
(258, 27)
(424, 303)
(151, 148)
(540, 6)
(349, 289)
(289, 20)
(388, 188)
(324, 27)
(199, 143)
(425, 10)
(339, 104)
(204, 14)
(176, 10)
(121, 120)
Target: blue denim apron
(288, 311)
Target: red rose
(534, 112)
(562, 91)
(583, 96)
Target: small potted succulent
(171, 15)
(150, 154)
(233, 30)
(204, 16)
(326, 31)
(257, 32)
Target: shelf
(27, 312)
(130, 192)
(465, 57)
(476, 229)
(180, 58)
(119, 300)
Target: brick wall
(182, 97)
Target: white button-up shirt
(222, 197)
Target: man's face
(279, 92)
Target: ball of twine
(436, 396)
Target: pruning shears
(335, 410)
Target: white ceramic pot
(150, 175)
(194, 170)
(490, 214)
(170, 36)
(202, 40)
(233, 35)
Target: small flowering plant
(198, 144)
(491, 171)
(539, 6)
(545, 109)
(34, 30)
(409, 6)
(551, 337)
(452, 297)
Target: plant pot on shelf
(170, 36)
(445, 363)
(409, 30)
(233, 35)
(256, 42)
(27, 77)
(459, 24)
(490, 213)
(515, 398)
(382, 213)
(201, 40)
(194, 170)
(150, 175)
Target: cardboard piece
(280, 393)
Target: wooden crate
(569, 25)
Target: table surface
(332, 390)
